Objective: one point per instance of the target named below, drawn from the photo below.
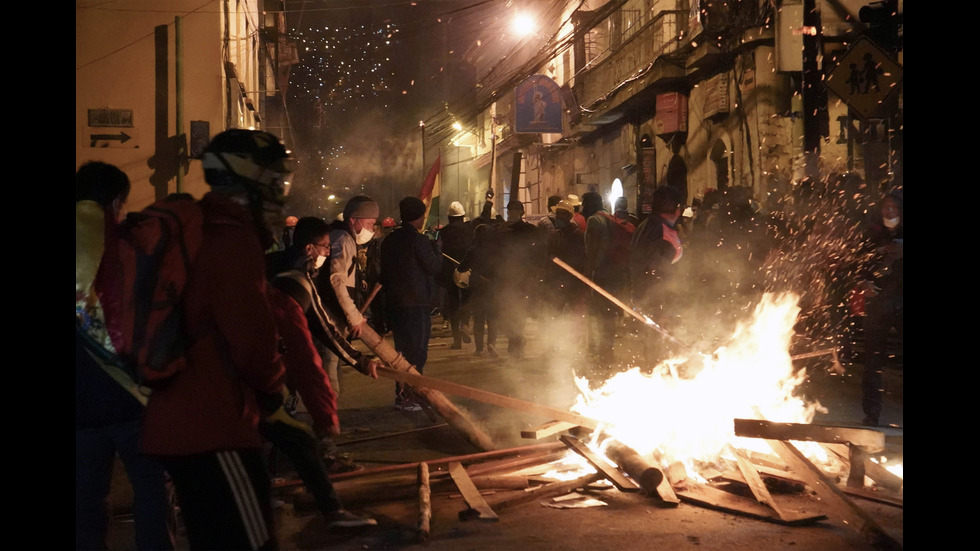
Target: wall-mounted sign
(539, 106)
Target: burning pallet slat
(547, 429)
(833, 496)
(611, 473)
(867, 439)
(882, 476)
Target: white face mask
(363, 236)
(320, 259)
(892, 223)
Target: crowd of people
(274, 330)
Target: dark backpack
(157, 248)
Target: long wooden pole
(612, 298)
(446, 409)
(419, 381)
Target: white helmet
(456, 209)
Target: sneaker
(407, 405)
(345, 519)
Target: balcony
(628, 59)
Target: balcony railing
(626, 42)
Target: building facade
(154, 80)
(697, 94)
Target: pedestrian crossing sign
(865, 78)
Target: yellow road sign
(865, 78)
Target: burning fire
(689, 418)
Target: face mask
(320, 259)
(363, 236)
(892, 223)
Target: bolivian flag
(430, 195)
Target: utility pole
(815, 121)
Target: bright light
(523, 24)
(457, 127)
(616, 192)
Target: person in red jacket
(203, 423)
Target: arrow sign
(121, 137)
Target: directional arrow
(121, 137)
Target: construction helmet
(456, 209)
(253, 159)
(291, 221)
(388, 222)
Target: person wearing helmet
(203, 423)
(337, 283)
(455, 239)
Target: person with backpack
(202, 421)
(108, 403)
(654, 252)
(607, 254)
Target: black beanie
(411, 209)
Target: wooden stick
(870, 440)
(547, 429)
(374, 292)
(389, 435)
(422, 382)
(718, 499)
(546, 491)
(612, 298)
(446, 409)
(471, 494)
(425, 502)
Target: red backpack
(157, 248)
(620, 235)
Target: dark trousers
(225, 499)
(306, 455)
(882, 313)
(411, 327)
(95, 455)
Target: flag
(430, 195)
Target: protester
(521, 251)
(337, 284)
(884, 291)
(478, 262)
(203, 423)
(607, 264)
(107, 416)
(654, 251)
(409, 264)
(455, 239)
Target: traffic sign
(865, 78)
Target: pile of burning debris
(739, 462)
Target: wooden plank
(611, 473)
(514, 463)
(882, 476)
(463, 391)
(832, 496)
(425, 502)
(714, 498)
(547, 429)
(869, 440)
(471, 494)
(546, 491)
(759, 489)
(456, 418)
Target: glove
(282, 416)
